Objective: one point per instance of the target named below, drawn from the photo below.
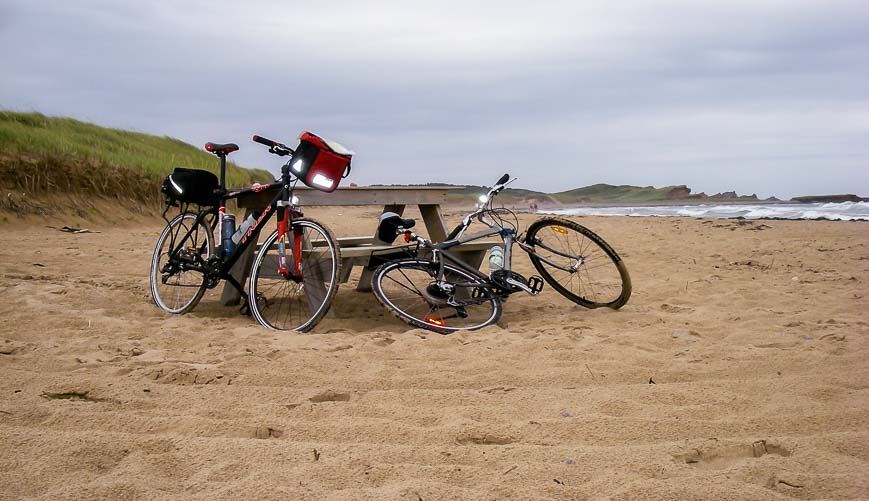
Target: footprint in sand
(498, 389)
(340, 347)
(330, 396)
(483, 438)
(80, 395)
(671, 308)
(725, 456)
(184, 374)
(264, 432)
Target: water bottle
(496, 258)
(226, 232)
(242, 230)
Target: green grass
(48, 155)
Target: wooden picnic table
(357, 250)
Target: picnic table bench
(357, 250)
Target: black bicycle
(442, 293)
(295, 271)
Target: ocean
(844, 211)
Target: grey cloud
(757, 96)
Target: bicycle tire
(590, 247)
(283, 304)
(188, 285)
(432, 310)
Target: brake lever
(280, 150)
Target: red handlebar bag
(319, 163)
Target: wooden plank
(404, 195)
(364, 250)
(367, 250)
(352, 241)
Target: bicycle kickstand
(245, 306)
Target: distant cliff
(824, 199)
(600, 194)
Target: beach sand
(737, 370)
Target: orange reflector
(434, 321)
(559, 229)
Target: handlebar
(265, 141)
(500, 185)
(275, 147)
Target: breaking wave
(843, 211)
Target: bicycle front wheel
(578, 264)
(408, 288)
(177, 282)
(288, 299)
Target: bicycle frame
(280, 205)
(508, 236)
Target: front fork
(284, 215)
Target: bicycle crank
(511, 282)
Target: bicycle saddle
(387, 228)
(221, 149)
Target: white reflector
(175, 185)
(321, 180)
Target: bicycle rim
(173, 288)
(287, 303)
(595, 276)
(407, 288)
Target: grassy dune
(610, 193)
(49, 156)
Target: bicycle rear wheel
(288, 301)
(177, 282)
(408, 289)
(578, 264)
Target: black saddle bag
(192, 186)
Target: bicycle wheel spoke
(174, 289)
(409, 289)
(291, 302)
(600, 278)
(414, 290)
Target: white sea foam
(844, 211)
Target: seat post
(222, 172)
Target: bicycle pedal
(535, 283)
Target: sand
(737, 370)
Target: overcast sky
(757, 96)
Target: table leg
(434, 222)
(365, 279)
(474, 258)
(398, 209)
(240, 271)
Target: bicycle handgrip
(265, 141)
